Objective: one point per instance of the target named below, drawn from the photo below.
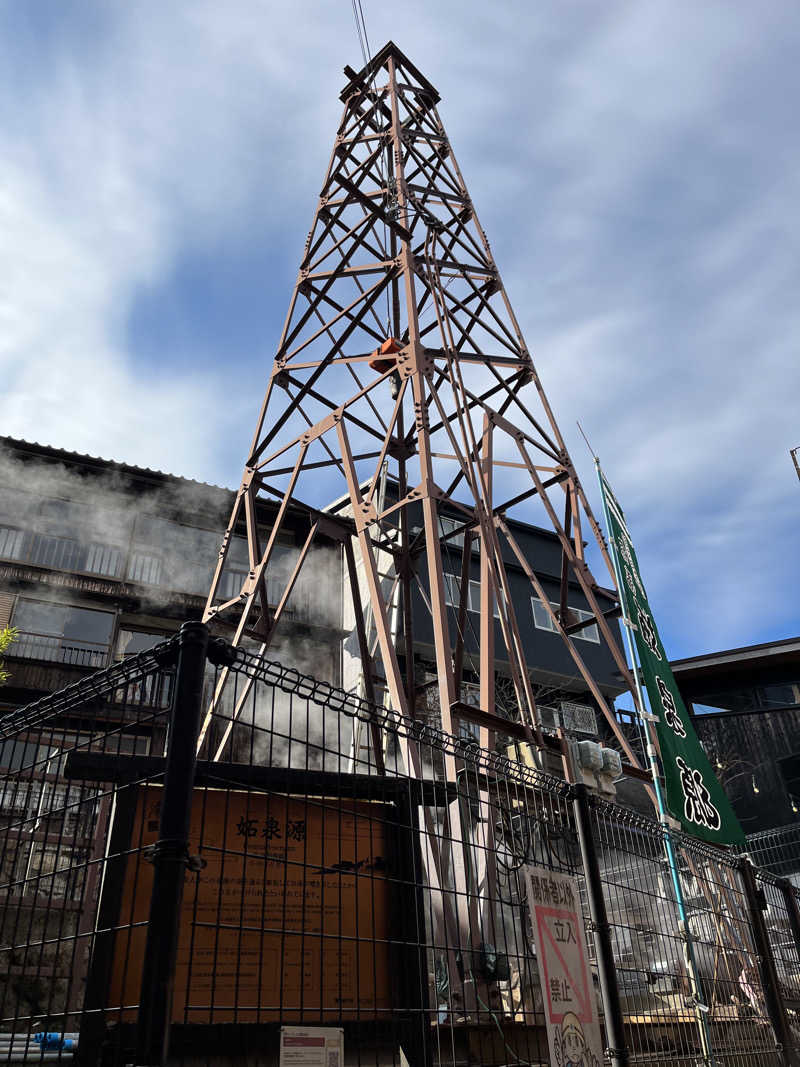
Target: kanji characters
(560, 992)
(697, 805)
(271, 828)
(565, 935)
(296, 829)
(648, 632)
(671, 716)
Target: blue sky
(635, 166)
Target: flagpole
(647, 720)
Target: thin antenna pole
(586, 439)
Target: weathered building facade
(100, 560)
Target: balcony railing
(57, 649)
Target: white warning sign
(312, 1046)
(573, 1029)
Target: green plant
(7, 635)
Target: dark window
(62, 633)
(778, 696)
(153, 691)
(132, 641)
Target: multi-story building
(100, 560)
(562, 696)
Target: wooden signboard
(288, 920)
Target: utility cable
(361, 37)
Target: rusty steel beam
(394, 223)
(452, 409)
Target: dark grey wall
(748, 751)
(543, 649)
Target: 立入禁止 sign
(573, 1029)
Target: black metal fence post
(606, 968)
(756, 905)
(170, 852)
(792, 910)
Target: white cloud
(635, 167)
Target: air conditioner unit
(578, 718)
(549, 717)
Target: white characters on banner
(671, 716)
(697, 805)
(649, 635)
(632, 576)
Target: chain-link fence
(186, 876)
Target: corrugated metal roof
(113, 464)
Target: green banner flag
(693, 795)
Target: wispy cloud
(636, 168)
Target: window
(588, 633)
(543, 621)
(541, 616)
(232, 581)
(777, 695)
(103, 559)
(10, 542)
(452, 590)
(130, 642)
(447, 525)
(452, 594)
(471, 696)
(62, 553)
(62, 633)
(155, 690)
(145, 567)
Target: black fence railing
(179, 886)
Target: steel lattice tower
(401, 353)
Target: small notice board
(312, 1046)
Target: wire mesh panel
(54, 837)
(781, 906)
(388, 867)
(674, 1012)
(777, 851)
(348, 872)
(727, 958)
(660, 1022)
